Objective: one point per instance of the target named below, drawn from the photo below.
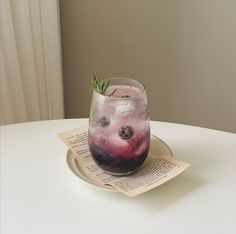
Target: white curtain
(30, 58)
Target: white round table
(40, 195)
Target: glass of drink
(119, 129)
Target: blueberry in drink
(119, 131)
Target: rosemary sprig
(99, 85)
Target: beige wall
(184, 51)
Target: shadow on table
(163, 196)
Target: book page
(155, 171)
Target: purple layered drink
(119, 131)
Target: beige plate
(157, 146)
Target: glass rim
(141, 90)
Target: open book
(155, 171)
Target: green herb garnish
(100, 85)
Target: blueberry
(101, 155)
(126, 132)
(103, 122)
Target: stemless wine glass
(119, 129)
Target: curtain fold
(30, 51)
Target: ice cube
(141, 148)
(116, 144)
(124, 108)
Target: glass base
(121, 173)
